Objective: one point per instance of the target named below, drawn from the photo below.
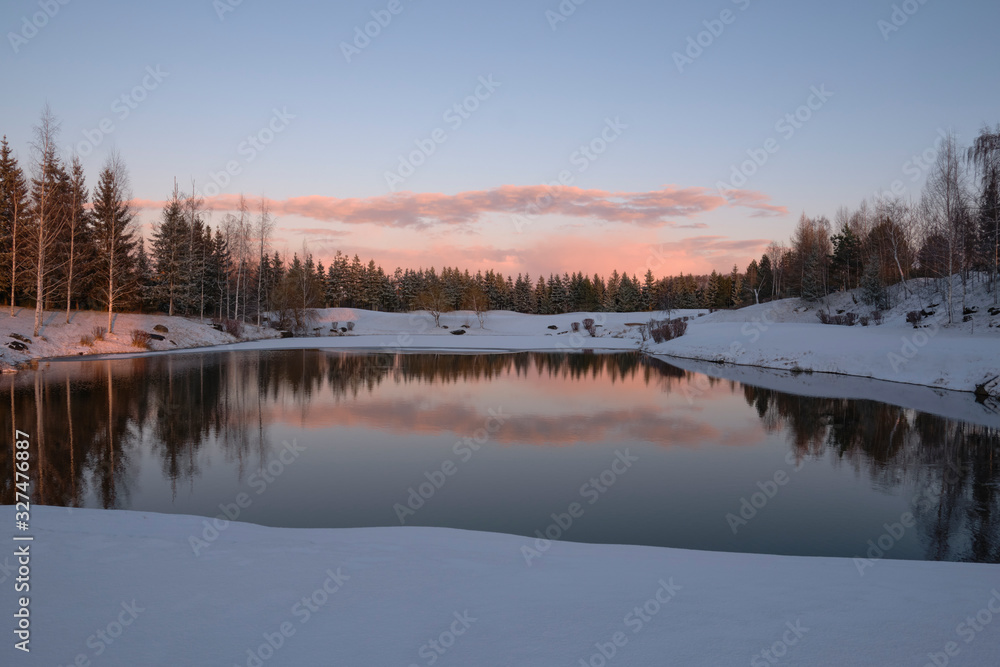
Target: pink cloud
(563, 254)
(657, 208)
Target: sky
(523, 136)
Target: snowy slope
(787, 334)
(390, 592)
(59, 339)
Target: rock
(160, 328)
(285, 334)
(553, 327)
(155, 336)
(457, 332)
(21, 338)
(17, 346)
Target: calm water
(650, 454)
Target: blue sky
(224, 77)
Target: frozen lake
(600, 448)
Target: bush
(589, 325)
(350, 326)
(233, 327)
(845, 320)
(663, 330)
(914, 317)
(864, 320)
(98, 333)
(877, 317)
(86, 341)
(575, 326)
(140, 338)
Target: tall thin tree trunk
(13, 259)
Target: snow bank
(787, 335)
(126, 588)
(59, 339)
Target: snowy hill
(420, 596)
(787, 334)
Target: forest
(64, 245)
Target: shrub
(350, 326)
(914, 317)
(140, 338)
(86, 341)
(846, 320)
(575, 326)
(877, 317)
(589, 325)
(98, 333)
(678, 327)
(663, 330)
(864, 320)
(233, 327)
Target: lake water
(601, 448)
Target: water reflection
(110, 433)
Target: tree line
(63, 245)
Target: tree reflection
(91, 422)
(953, 465)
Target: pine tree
(170, 254)
(78, 227)
(13, 213)
(113, 220)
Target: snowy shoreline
(782, 335)
(380, 596)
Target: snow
(787, 334)
(56, 338)
(395, 589)
(784, 335)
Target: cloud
(658, 208)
